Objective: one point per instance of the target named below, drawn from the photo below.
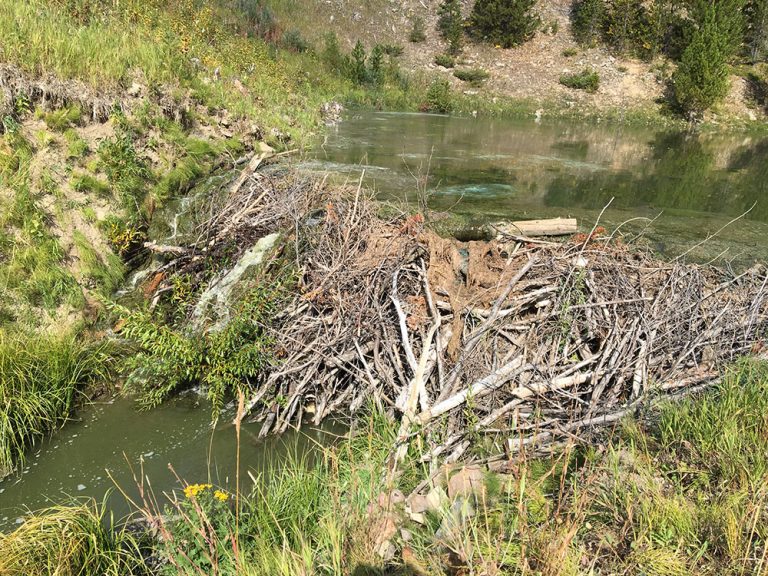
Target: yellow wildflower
(192, 490)
(221, 496)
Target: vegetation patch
(472, 76)
(587, 80)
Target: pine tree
(357, 70)
(450, 24)
(701, 79)
(588, 21)
(375, 65)
(757, 29)
(505, 23)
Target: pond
(485, 170)
(690, 185)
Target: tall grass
(77, 540)
(40, 379)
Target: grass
(41, 377)
(105, 273)
(472, 76)
(682, 490)
(75, 540)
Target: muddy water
(112, 438)
(485, 169)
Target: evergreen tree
(757, 29)
(357, 70)
(701, 79)
(376, 65)
(450, 24)
(506, 23)
(727, 17)
(588, 20)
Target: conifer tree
(757, 29)
(450, 24)
(505, 23)
(588, 21)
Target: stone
(406, 535)
(135, 90)
(467, 481)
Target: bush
(701, 79)
(332, 54)
(505, 23)
(439, 99)
(445, 60)
(294, 41)
(63, 118)
(570, 52)
(358, 72)
(417, 33)
(473, 76)
(587, 79)
(392, 50)
(588, 18)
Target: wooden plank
(548, 227)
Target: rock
(752, 116)
(264, 148)
(418, 517)
(135, 90)
(406, 535)
(434, 500)
(467, 481)
(382, 529)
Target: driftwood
(549, 227)
(521, 343)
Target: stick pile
(527, 342)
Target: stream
(482, 170)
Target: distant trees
(588, 20)
(505, 23)
(757, 29)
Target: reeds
(40, 379)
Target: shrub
(375, 74)
(445, 60)
(417, 33)
(587, 79)
(450, 25)
(332, 54)
(505, 23)
(392, 50)
(588, 19)
(701, 79)
(63, 118)
(358, 72)
(439, 99)
(570, 52)
(294, 41)
(473, 76)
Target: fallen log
(548, 227)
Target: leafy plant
(445, 60)
(473, 76)
(417, 33)
(588, 80)
(439, 98)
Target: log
(549, 227)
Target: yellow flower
(221, 496)
(192, 490)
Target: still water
(486, 169)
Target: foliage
(76, 540)
(77, 148)
(375, 65)
(588, 80)
(358, 71)
(222, 361)
(293, 40)
(126, 172)
(417, 33)
(88, 184)
(450, 24)
(439, 99)
(104, 272)
(588, 18)
(757, 29)
(701, 79)
(505, 23)
(473, 76)
(63, 118)
(445, 60)
(40, 379)
(332, 55)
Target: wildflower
(192, 490)
(221, 496)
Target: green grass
(41, 377)
(77, 540)
(106, 272)
(587, 80)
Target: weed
(570, 52)
(104, 273)
(417, 33)
(473, 76)
(90, 185)
(77, 148)
(63, 118)
(445, 60)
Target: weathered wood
(548, 227)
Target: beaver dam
(511, 342)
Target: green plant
(75, 540)
(588, 19)
(63, 118)
(450, 24)
(417, 33)
(106, 272)
(505, 23)
(76, 146)
(439, 98)
(473, 76)
(90, 185)
(570, 52)
(293, 40)
(375, 73)
(41, 377)
(588, 80)
(701, 79)
(392, 50)
(358, 71)
(125, 170)
(445, 60)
